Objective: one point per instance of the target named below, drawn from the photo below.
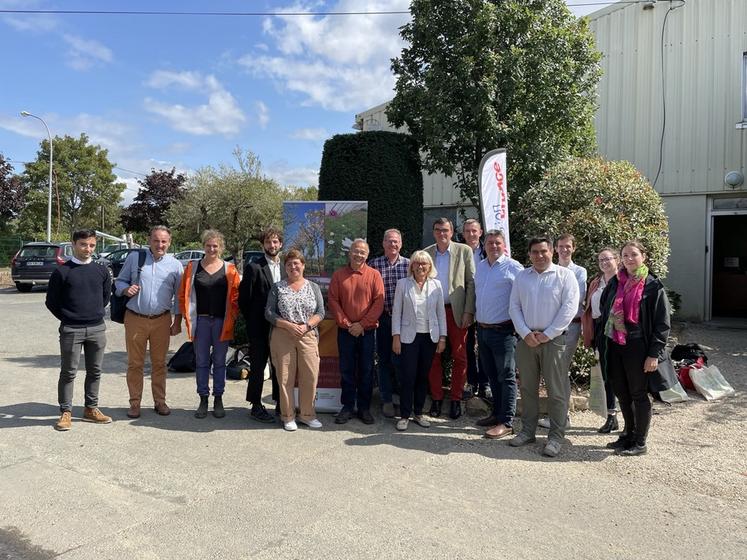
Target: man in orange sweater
(356, 300)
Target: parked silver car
(190, 255)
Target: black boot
(218, 410)
(201, 411)
(435, 411)
(610, 425)
(623, 442)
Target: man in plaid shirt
(392, 267)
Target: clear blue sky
(184, 91)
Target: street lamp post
(51, 159)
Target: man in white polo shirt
(544, 301)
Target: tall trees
(159, 190)
(239, 201)
(84, 187)
(484, 74)
(12, 193)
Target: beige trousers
(140, 331)
(295, 359)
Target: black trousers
(415, 363)
(630, 383)
(259, 354)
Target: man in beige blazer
(455, 269)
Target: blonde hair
(421, 256)
(213, 234)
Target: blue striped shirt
(159, 283)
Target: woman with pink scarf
(636, 323)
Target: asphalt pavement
(178, 487)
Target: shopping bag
(710, 383)
(674, 395)
(597, 394)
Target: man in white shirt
(565, 245)
(544, 301)
(495, 332)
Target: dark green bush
(382, 168)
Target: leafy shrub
(602, 203)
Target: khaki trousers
(140, 331)
(293, 359)
(545, 360)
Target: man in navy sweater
(77, 294)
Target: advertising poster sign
(494, 193)
(323, 231)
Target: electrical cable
(663, 89)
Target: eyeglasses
(421, 264)
(606, 259)
(441, 230)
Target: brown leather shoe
(162, 409)
(134, 411)
(96, 416)
(65, 422)
(498, 432)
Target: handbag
(183, 360)
(710, 383)
(117, 303)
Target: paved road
(178, 487)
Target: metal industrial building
(673, 101)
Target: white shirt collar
(78, 261)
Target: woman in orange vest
(209, 302)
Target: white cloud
(313, 134)
(220, 115)
(286, 175)
(82, 53)
(336, 62)
(263, 114)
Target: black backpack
(689, 353)
(183, 361)
(118, 304)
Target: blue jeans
(387, 359)
(415, 361)
(356, 368)
(207, 336)
(497, 348)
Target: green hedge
(382, 168)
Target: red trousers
(458, 343)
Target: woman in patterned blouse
(294, 309)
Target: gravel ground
(697, 444)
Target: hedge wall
(384, 169)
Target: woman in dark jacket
(636, 323)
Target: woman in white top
(609, 263)
(418, 332)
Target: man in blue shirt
(495, 332)
(393, 267)
(152, 301)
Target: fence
(9, 246)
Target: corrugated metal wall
(704, 44)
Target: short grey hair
(360, 241)
(159, 228)
(393, 230)
(495, 233)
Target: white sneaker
(313, 423)
(290, 426)
(422, 422)
(402, 424)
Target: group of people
(497, 316)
